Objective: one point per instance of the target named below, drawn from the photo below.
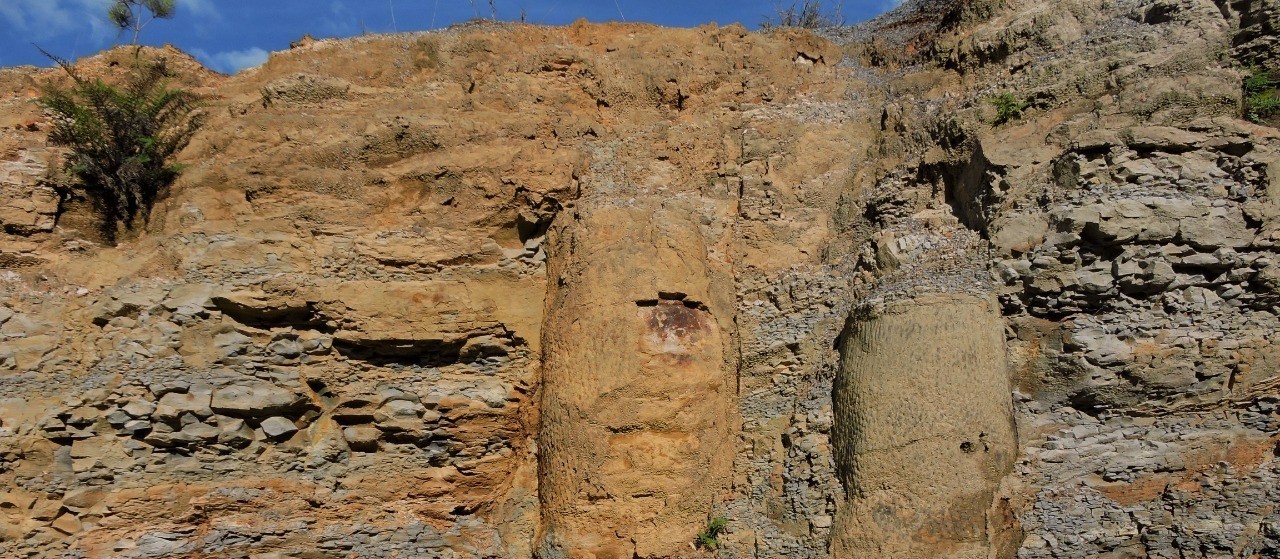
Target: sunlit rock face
(586, 292)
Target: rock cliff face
(513, 291)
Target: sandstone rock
(84, 497)
(1163, 138)
(1219, 227)
(355, 409)
(304, 88)
(67, 524)
(47, 511)
(1020, 233)
(113, 309)
(362, 438)
(17, 500)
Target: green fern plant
(709, 538)
(122, 138)
(1261, 100)
(1008, 107)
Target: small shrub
(709, 538)
(1263, 106)
(1008, 107)
(807, 15)
(1261, 100)
(426, 54)
(121, 138)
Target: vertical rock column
(924, 430)
(638, 385)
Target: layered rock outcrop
(514, 291)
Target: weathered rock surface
(513, 291)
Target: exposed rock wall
(513, 291)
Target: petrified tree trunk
(924, 430)
(638, 393)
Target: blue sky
(228, 35)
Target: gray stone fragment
(315, 344)
(113, 308)
(136, 427)
(189, 301)
(232, 343)
(399, 409)
(118, 418)
(285, 347)
(278, 427)
(1268, 278)
(202, 431)
(254, 399)
(195, 401)
(161, 544)
(139, 408)
(233, 432)
(163, 435)
(1094, 281)
(1163, 138)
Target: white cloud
(204, 8)
(41, 19)
(230, 62)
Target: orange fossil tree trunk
(638, 385)
(924, 431)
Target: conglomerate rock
(516, 291)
